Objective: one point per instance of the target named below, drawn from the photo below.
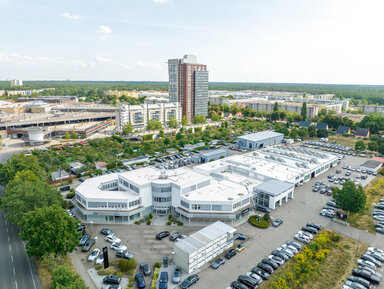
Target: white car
(118, 247)
(310, 236)
(378, 218)
(365, 263)
(254, 276)
(376, 250)
(291, 248)
(100, 259)
(92, 257)
(285, 251)
(302, 238)
(113, 239)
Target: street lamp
(96, 241)
(173, 254)
(92, 227)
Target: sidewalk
(80, 268)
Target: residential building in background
(138, 115)
(188, 84)
(16, 82)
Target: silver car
(176, 278)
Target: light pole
(173, 256)
(96, 241)
(92, 227)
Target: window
(195, 207)
(244, 202)
(134, 203)
(236, 205)
(161, 199)
(134, 188)
(184, 204)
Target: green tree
(303, 132)
(184, 121)
(350, 198)
(312, 131)
(49, 230)
(64, 278)
(276, 107)
(372, 146)
(127, 129)
(74, 135)
(161, 133)
(172, 122)
(18, 163)
(23, 196)
(216, 117)
(322, 132)
(304, 111)
(360, 145)
(199, 119)
(67, 135)
(293, 134)
(154, 124)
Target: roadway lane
(17, 270)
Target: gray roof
(214, 153)
(321, 125)
(342, 129)
(201, 238)
(262, 135)
(371, 164)
(304, 123)
(59, 175)
(274, 187)
(362, 131)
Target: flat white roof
(259, 136)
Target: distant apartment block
(138, 115)
(16, 82)
(188, 84)
(372, 109)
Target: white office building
(202, 246)
(16, 82)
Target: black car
(264, 275)
(81, 228)
(217, 263)
(366, 275)
(238, 285)
(267, 268)
(162, 235)
(248, 281)
(106, 231)
(281, 255)
(111, 279)
(145, 269)
(309, 229)
(230, 254)
(174, 236)
(360, 280)
(271, 263)
(87, 246)
(313, 225)
(84, 239)
(189, 281)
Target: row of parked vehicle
(277, 258)
(329, 210)
(366, 276)
(378, 216)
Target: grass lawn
(333, 270)
(374, 191)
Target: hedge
(258, 222)
(155, 276)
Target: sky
(293, 41)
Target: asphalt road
(17, 270)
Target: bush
(257, 222)
(148, 222)
(266, 217)
(179, 223)
(169, 223)
(335, 237)
(131, 264)
(150, 216)
(155, 276)
(98, 267)
(170, 217)
(157, 265)
(103, 272)
(123, 265)
(70, 195)
(346, 246)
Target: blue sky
(310, 41)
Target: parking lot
(304, 208)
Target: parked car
(92, 257)
(258, 279)
(163, 280)
(270, 262)
(87, 246)
(140, 281)
(84, 239)
(217, 263)
(360, 280)
(309, 229)
(124, 254)
(366, 263)
(100, 259)
(240, 247)
(302, 239)
(354, 285)
(371, 259)
(176, 277)
(112, 279)
(294, 244)
(276, 259)
(307, 234)
(162, 235)
(281, 255)
(290, 248)
(238, 285)
(106, 232)
(189, 281)
(277, 222)
(174, 236)
(267, 268)
(118, 247)
(264, 275)
(112, 239)
(240, 237)
(145, 269)
(112, 287)
(316, 226)
(366, 275)
(230, 254)
(248, 281)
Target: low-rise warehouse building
(259, 140)
(202, 246)
(213, 155)
(372, 165)
(273, 193)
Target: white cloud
(71, 16)
(161, 1)
(102, 59)
(103, 29)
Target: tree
(172, 122)
(67, 135)
(18, 163)
(216, 117)
(275, 115)
(350, 198)
(303, 132)
(360, 145)
(154, 124)
(23, 196)
(293, 133)
(304, 111)
(372, 146)
(64, 278)
(276, 107)
(322, 132)
(199, 119)
(49, 230)
(283, 114)
(312, 131)
(161, 133)
(127, 129)
(184, 121)
(74, 135)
